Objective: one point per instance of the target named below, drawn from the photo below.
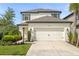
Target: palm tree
(74, 7)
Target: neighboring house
(45, 24)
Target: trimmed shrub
(8, 38)
(12, 38)
(70, 36)
(29, 35)
(17, 37)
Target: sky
(18, 7)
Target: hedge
(12, 38)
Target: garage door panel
(40, 35)
(49, 35)
(57, 35)
(49, 29)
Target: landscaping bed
(15, 49)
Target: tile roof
(40, 10)
(47, 19)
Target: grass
(15, 49)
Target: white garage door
(50, 35)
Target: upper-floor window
(55, 15)
(26, 16)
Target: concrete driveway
(52, 48)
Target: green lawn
(14, 49)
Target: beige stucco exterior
(51, 27)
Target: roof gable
(68, 15)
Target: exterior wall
(49, 26)
(38, 15)
(25, 31)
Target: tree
(74, 7)
(11, 30)
(7, 26)
(8, 17)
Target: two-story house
(45, 24)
